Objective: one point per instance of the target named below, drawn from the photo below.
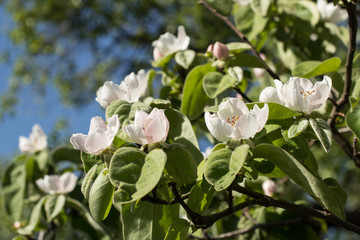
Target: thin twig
(243, 95)
(240, 34)
(255, 226)
(267, 201)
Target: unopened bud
(220, 51)
(17, 224)
(210, 48)
(269, 187)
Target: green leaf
(246, 60)
(147, 221)
(34, 218)
(161, 62)
(81, 209)
(66, 153)
(322, 131)
(315, 68)
(298, 127)
(236, 73)
(353, 120)
(268, 169)
(180, 166)
(194, 97)
(337, 189)
(119, 107)
(201, 196)
(100, 197)
(178, 230)
(301, 175)
(13, 189)
(223, 165)
(260, 6)
(185, 58)
(181, 131)
(237, 47)
(43, 159)
(53, 206)
(89, 179)
(89, 160)
(215, 83)
(276, 111)
(135, 173)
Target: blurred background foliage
(77, 45)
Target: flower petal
(67, 182)
(140, 117)
(269, 94)
(261, 116)
(136, 133)
(78, 141)
(95, 124)
(246, 127)
(220, 129)
(96, 142)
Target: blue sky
(31, 110)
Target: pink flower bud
(157, 54)
(17, 224)
(269, 187)
(220, 51)
(210, 48)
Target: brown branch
(352, 26)
(243, 95)
(267, 201)
(246, 230)
(240, 34)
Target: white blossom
(148, 128)
(54, 184)
(235, 121)
(168, 43)
(131, 89)
(330, 12)
(299, 94)
(100, 135)
(36, 141)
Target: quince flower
(54, 184)
(148, 128)
(298, 93)
(131, 89)
(235, 121)
(168, 43)
(219, 50)
(331, 12)
(269, 187)
(37, 141)
(100, 135)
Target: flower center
(232, 120)
(304, 94)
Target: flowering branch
(353, 25)
(240, 34)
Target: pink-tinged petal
(96, 142)
(108, 93)
(95, 124)
(157, 54)
(136, 133)
(220, 51)
(157, 130)
(246, 127)
(78, 141)
(261, 116)
(220, 129)
(67, 182)
(44, 187)
(140, 117)
(269, 94)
